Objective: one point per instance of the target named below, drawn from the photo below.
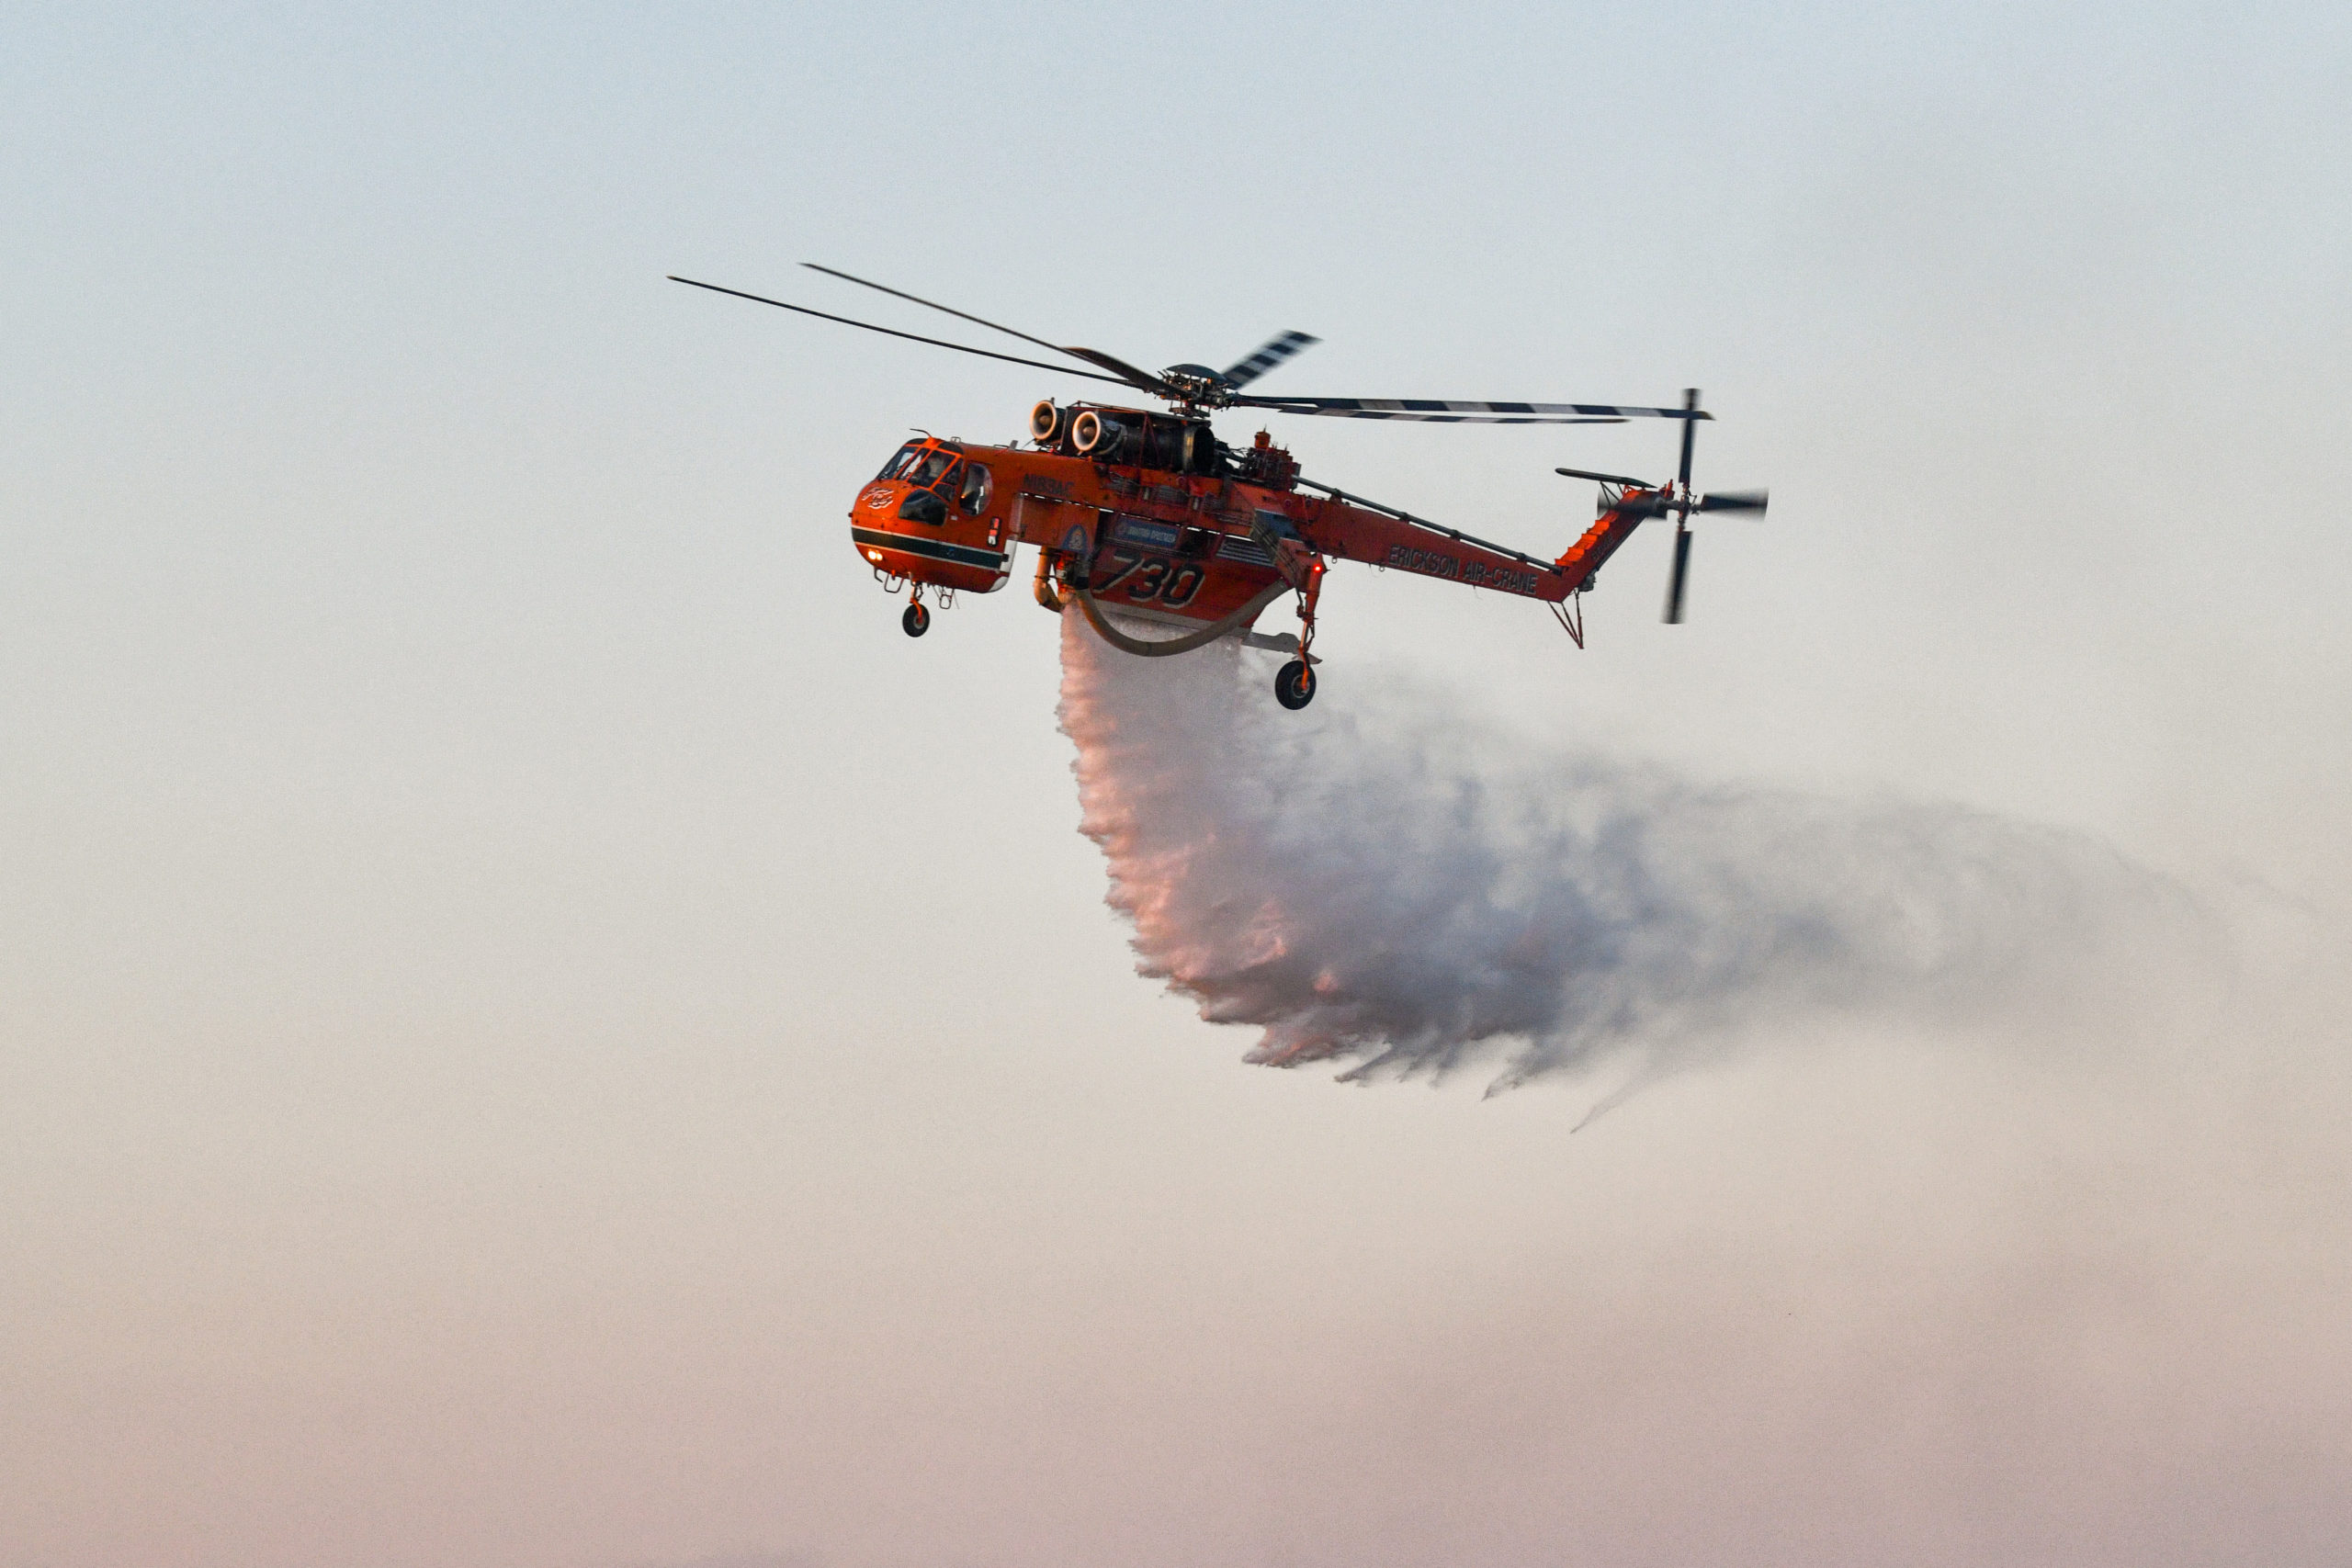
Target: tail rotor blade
(1674, 583)
(1734, 501)
(1690, 434)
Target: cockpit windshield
(928, 471)
(900, 461)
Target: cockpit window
(899, 460)
(934, 464)
(972, 492)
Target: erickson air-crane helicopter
(1148, 515)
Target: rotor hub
(1197, 386)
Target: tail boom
(1601, 541)
(1352, 529)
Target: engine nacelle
(1091, 436)
(1045, 422)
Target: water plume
(1390, 886)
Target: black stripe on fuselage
(936, 549)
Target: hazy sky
(536, 1028)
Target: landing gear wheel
(917, 620)
(1294, 684)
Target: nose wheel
(1294, 684)
(917, 620)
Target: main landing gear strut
(1294, 682)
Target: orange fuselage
(1164, 542)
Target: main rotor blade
(934, 305)
(1734, 501)
(893, 332)
(1606, 478)
(1271, 353)
(1143, 379)
(1421, 418)
(1681, 574)
(1407, 408)
(1438, 419)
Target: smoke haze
(537, 1029)
(1403, 890)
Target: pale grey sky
(536, 1028)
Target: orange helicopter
(1146, 516)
